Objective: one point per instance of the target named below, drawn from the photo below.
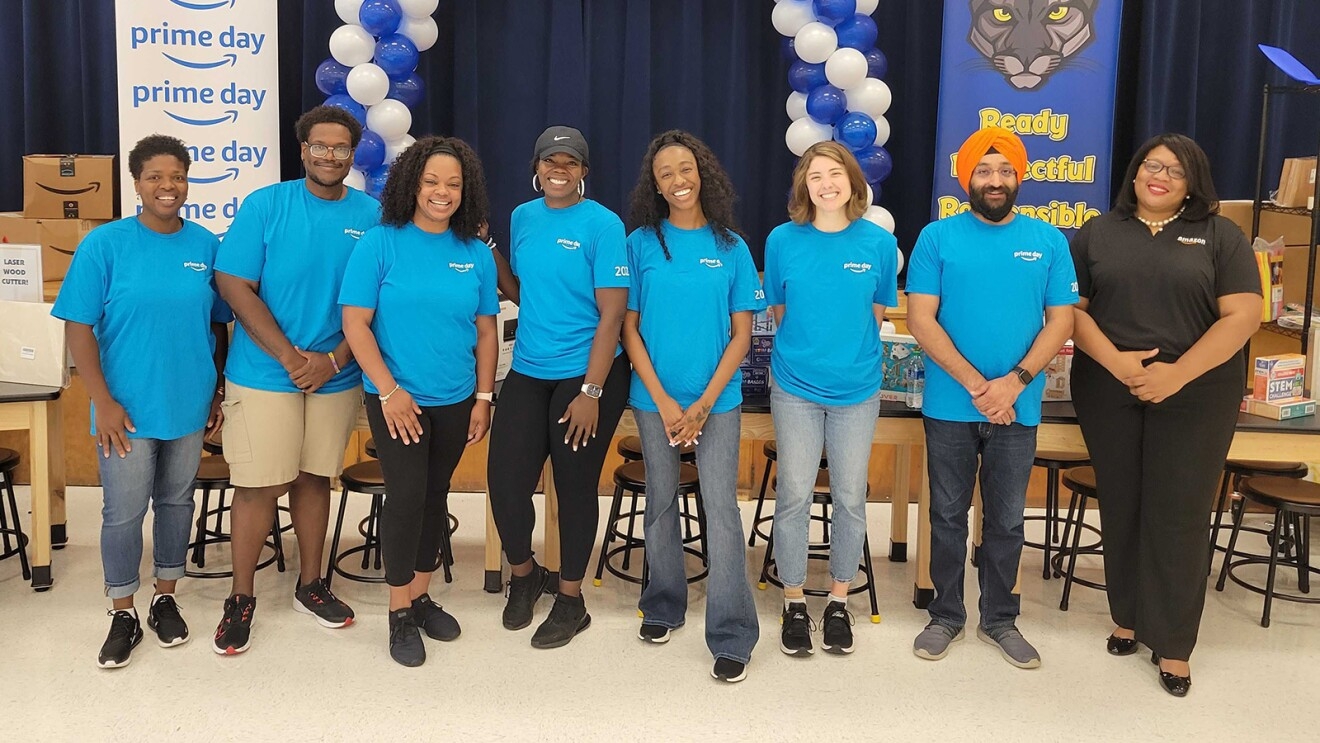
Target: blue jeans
(1005, 456)
(159, 473)
(802, 428)
(731, 625)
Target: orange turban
(979, 145)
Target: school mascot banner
(1047, 70)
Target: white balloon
(352, 45)
(348, 11)
(418, 8)
(870, 195)
(870, 96)
(368, 84)
(815, 42)
(881, 131)
(395, 147)
(422, 31)
(846, 68)
(805, 132)
(796, 105)
(389, 118)
(356, 179)
(881, 216)
(867, 7)
(900, 259)
(789, 16)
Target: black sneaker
(235, 631)
(728, 670)
(567, 618)
(431, 617)
(523, 593)
(838, 622)
(795, 635)
(406, 646)
(125, 634)
(316, 599)
(165, 619)
(653, 633)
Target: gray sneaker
(933, 642)
(1012, 645)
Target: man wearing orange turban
(979, 284)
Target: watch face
(592, 390)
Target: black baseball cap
(565, 139)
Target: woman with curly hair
(688, 262)
(419, 304)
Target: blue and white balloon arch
(371, 73)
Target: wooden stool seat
(630, 448)
(1052, 459)
(363, 477)
(632, 476)
(213, 470)
(8, 459)
(1081, 480)
(370, 448)
(1259, 467)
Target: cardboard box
(1058, 375)
(1295, 229)
(507, 326)
(58, 239)
(1279, 378)
(70, 186)
(1279, 411)
(1296, 182)
(755, 380)
(898, 354)
(758, 354)
(32, 345)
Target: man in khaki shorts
(293, 390)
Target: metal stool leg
(278, 538)
(1051, 508)
(869, 570)
(446, 546)
(769, 556)
(1274, 566)
(632, 523)
(1072, 557)
(1219, 516)
(4, 517)
(615, 504)
(760, 501)
(19, 538)
(377, 503)
(1299, 549)
(1238, 515)
(199, 549)
(334, 541)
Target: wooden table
(37, 410)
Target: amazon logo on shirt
(857, 267)
(567, 244)
(712, 263)
(355, 234)
(1030, 256)
(462, 267)
(195, 266)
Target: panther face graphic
(1028, 40)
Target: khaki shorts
(269, 437)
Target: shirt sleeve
(364, 273)
(243, 251)
(1081, 257)
(1061, 288)
(924, 273)
(489, 301)
(886, 289)
(1235, 265)
(220, 309)
(609, 263)
(746, 294)
(634, 275)
(86, 285)
(773, 279)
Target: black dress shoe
(1121, 645)
(1176, 685)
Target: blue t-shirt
(150, 299)
(994, 283)
(684, 306)
(561, 257)
(828, 348)
(295, 246)
(427, 291)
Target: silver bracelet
(386, 398)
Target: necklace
(1161, 224)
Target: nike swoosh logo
(559, 138)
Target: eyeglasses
(985, 171)
(1155, 166)
(320, 150)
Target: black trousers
(417, 478)
(1157, 467)
(526, 430)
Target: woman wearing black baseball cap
(569, 380)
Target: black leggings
(1156, 468)
(526, 430)
(417, 485)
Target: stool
(630, 448)
(820, 496)
(1081, 481)
(1295, 501)
(771, 451)
(631, 478)
(1235, 471)
(213, 477)
(369, 449)
(9, 509)
(1054, 462)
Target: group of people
(336, 295)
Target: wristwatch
(1023, 375)
(594, 391)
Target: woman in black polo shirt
(1170, 295)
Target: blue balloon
(831, 12)
(877, 64)
(804, 76)
(397, 55)
(827, 104)
(855, 130)
(858, 32)
(370, 152)
(875, 191)
(788, 48)
(331, 77)
(376, 178)
(408, 91)
(342, 100)
(380, 17)
(876, 165)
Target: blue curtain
(624, 70)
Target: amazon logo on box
(70, 186)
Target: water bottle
(916, 386)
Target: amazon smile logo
(712, 263)
(462, 267)
(92, 186)
(194, 265)
(857, 267)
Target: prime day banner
(1045, 69)
(204, 71)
